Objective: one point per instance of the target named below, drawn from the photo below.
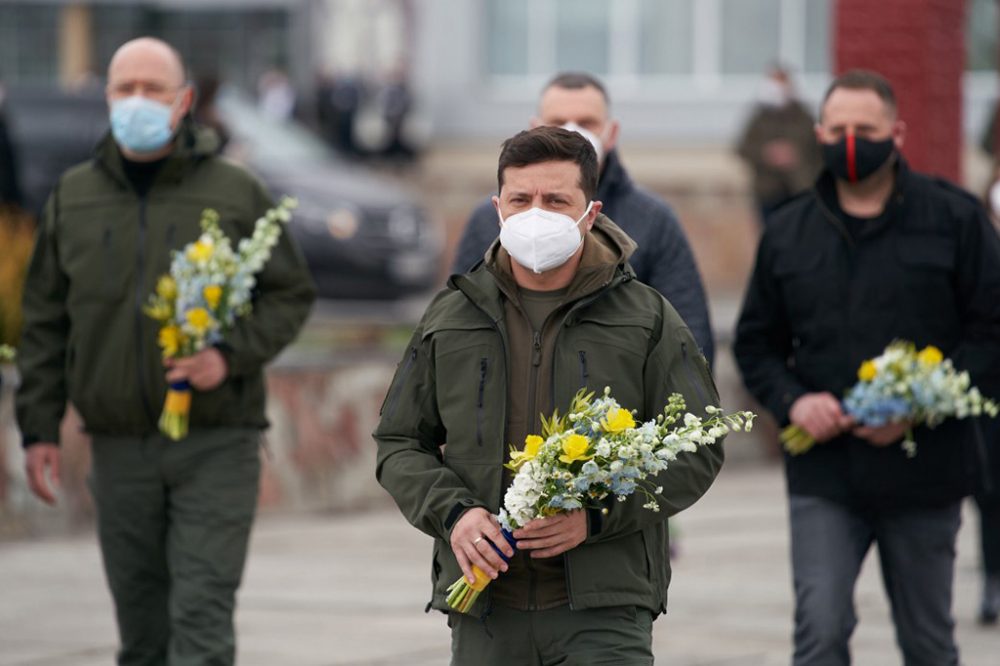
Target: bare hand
(470, 541)
(205, 370)
(820, 415)
(882, 435)
(39, 458)
(548, 537)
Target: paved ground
(350, 589)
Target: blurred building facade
(678, 70)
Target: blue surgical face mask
(140, 124)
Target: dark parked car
(363, 236)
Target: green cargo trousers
(613, 636)
(173, 521)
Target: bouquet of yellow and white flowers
(209, 286)
(903, 385)
(7, 354)
(594, 451)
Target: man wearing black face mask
(873, 253)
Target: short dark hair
(576, 81)
(550, 144)
(863, 79)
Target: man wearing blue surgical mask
(173, 517)
(663, 258)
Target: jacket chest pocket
(597, 354)
(927, 270)
(99, 261)
(471, 383)
(809, 287)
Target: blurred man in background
(173, 517)
(779, 144)
(663, 259)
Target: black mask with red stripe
(854, 159)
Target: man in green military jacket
(554, 308)
(173, 517)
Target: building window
(981, 35)
(27, 36)
(751, 35)
(631, 40)
(582, 37)
(666, 37)
(508, 44)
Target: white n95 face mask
(594, 140)
(541, 240)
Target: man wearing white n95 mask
(555, 307)
(663, 258)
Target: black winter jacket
(663, 259)
(822, 300)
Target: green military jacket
(451, 389)
(99, 251)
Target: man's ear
(496, 206)
(899, 134)
(611, 140)
(595, 210)
(184, 106)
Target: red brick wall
(919, 45)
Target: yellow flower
(170, 340)
(212, 294)
(199, 319)
(930, 355)
(618, 420)
(159, 310)
(575, 448)
(867, 371)
(532, 445)
(166, 288)
(200, 251)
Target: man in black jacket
(663, 259)
(873, 253)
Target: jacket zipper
(483, 365)
(139, 297)
(410, 358)
(108, 263)
(583, 302)
(536, 361)
(506, 409)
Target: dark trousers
(173, 522)
(989, 532)
(917, 553)
(617, 635)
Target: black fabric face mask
(853, 159)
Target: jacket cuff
(28, 440)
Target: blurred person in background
(275, 95)
(663, 259)
(779, 145)
(173, 517)
(206, 113)
(873, 253)
(10, 190)
(988, 499)
(529, 324)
